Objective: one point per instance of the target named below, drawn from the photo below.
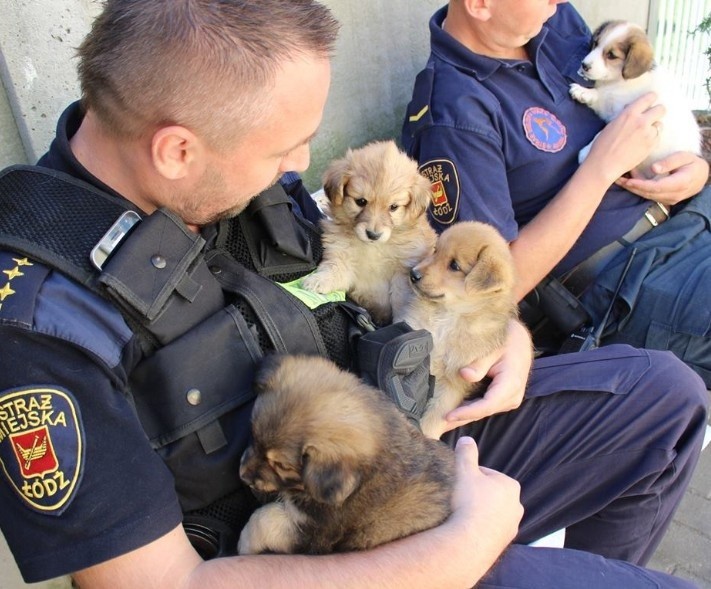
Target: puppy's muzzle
(372, 235)
(584, 69)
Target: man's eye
(361, 202)
(394, 208)
(454, 266)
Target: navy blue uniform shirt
(498, 138)
(79, 480)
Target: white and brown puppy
(463, 295)
(376, 227)
(350, 471)
(621, 63)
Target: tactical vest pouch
(159, 275)
(277, 242)
(191, 391)
(396, 359)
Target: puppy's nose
(585, 66)
(415, 275)
(372, 235)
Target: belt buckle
(650, 216)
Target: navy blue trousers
(603, 445)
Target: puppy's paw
(433, 426)
(269, 529)
(582, 94)
(321, 282)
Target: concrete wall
(382, 46)
(596, 12)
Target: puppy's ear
(420, 194)
(489, 274)
(268, 367)
(598, 32)
(640, 56)
(328, 479)
(336, 177)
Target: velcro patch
(543, 130)
(41, 446)
(443, 176)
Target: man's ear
(478, 9)
(176, 150)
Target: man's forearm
(548, 237)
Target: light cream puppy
(621, 63)
(376, 228)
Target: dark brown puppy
(350, 471)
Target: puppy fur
(376, 228)
(462, 294)
(621, 64)
(351, 472)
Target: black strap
(289, 324)
(44, 214)
(583, 275)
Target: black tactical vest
(206, 309)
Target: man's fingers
(467, 453)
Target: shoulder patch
(41, 446)
(444, 179)
(543, 130)
(20, 281)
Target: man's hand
(508, 368)
(626, 140)
(686, 174)
(484, 499)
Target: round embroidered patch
(544, 130)
(41, 446)
(443, 176)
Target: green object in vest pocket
(309, 298)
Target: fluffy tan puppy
(376, 228)
(350, 471)
(463, 295)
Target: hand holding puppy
(483, 499)
(508, 367)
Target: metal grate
(677, 47)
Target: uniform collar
(447, 48)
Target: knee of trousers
(675, 384)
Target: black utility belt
(583, 275)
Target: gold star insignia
(6, 291)
(14, 273)
(22, 262)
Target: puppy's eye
(361, 202)
(454, 266)
(394, 208)
(611, 56)
(282, 467)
